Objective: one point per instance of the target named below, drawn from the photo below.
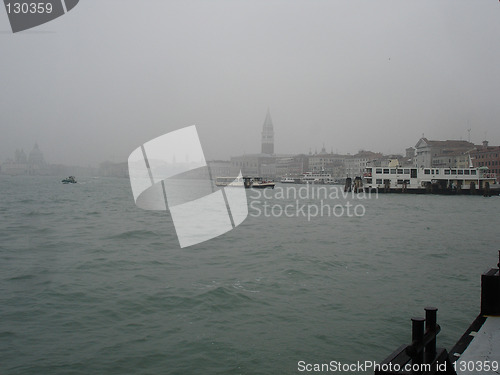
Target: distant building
(251, 164)
(267, 135)
(109, 169)
(292, 165)
(220, 168)
(427, 151)
(17, 166)
(487, 156)
(268, 170)
(34, 164)
(330, 163)
(20, 157)
(355, 165)
(263, 164)
(36, 157)
(410, 156)
(389, 161)
(319, 161)
(457, 159)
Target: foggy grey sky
(110, 75)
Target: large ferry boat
(431, 180)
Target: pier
(476, 352)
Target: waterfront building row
(425, 154)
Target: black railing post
(430, 326)
(417, 335)
(490, 291)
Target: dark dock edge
(423, 349)
(466, 338)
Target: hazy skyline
(110, 75)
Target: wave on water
(38, 213)
(135, 234)
(223, 298)
(26, 200)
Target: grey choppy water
(90, 284)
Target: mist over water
(110, 75)
(92, 284)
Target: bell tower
(268, 135)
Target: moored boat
(258, 183)
(229, 181)
(317, 178)
(287, 180)
(431, 180)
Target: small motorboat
(69, 180)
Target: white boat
(287, 180)
(229, 181)
(334, 181)
(432, 180)
(317, 178)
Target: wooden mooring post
(348, 185)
